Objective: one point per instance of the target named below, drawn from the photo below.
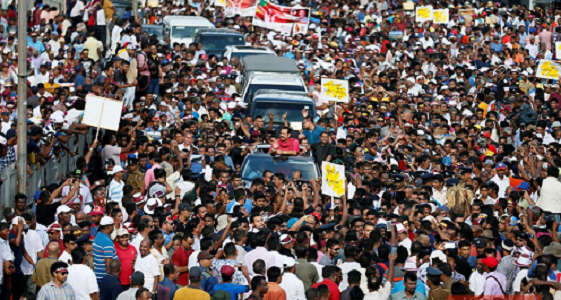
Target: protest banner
(220, 3)
(102, 112)
(441, 16)
(548, 69)
(335, 90)
(423, 13)
(332, 179)
(244, 8)
(281, 18)
(558, 50)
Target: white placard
(102, 112)
(332, 179)
(335, 90)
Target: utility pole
(135, 10)
(22, 98)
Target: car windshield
(158, 31)
(212, 43)
(255, 166)
(180, 32)
(293, 110)
(253, 88)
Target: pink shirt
(291, 144)
(149, 177)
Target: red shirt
(334, 293)
(180, 258)
(60, 246)
(127, 258)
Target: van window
(179, 32)
(254, 88)
(216, 42)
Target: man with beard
(127, 256)
(148, 264)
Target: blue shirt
(313, 136)
(167, 237)
(103, 248)
(208, 281)
(110, 287)
(248, 205)
(231, 288)
(166, 289)
(400, 286)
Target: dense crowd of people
(450, 142)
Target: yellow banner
(441, 16)
(548, 70)
(423, 13)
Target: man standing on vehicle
(285, 145)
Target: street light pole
(22, 98)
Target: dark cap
(382, 212)
(480, 243)
(77, 173)
(195, 271)
(205, 255)
(137, 278)
(184, 206)
(434, 271)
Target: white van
(181, 29)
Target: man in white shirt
(550, 191)
(148, 265)
(81, 277)
(350, 264)
(478, 278)
(34, 246)
(292, 285)
(260, 252)
(403, 237)
(69, 242)
(501, 179)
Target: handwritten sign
(221, 3)
(441, 16)
(423, 13)
(548, 69)
(335, 90)
(332, 179)
(557, 50)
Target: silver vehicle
(181, 29)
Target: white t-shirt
(76, 10)
(65, 257)
(82, 279)
(149, 266)
(523, 273)
(33, 244)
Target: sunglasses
(64, 273)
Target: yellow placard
(423, 13)
(333, 179)
(335, 90)
(548, 69)
(221, 3)
(441, 16)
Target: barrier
(53, 171)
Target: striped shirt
(52, 292)
(115, 191)
(103, 248)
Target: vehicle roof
(277, 80)
(269, 64)
(249, 48)
(153, 26)
(217, 31)
(188, 20)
